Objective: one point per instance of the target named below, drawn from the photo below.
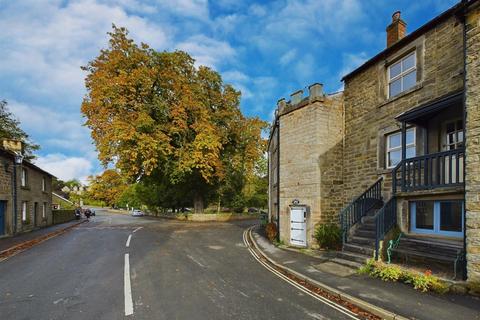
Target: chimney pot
(315, 91)
(396, 30)
(296, 97)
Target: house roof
(410, 37)
(11, 155)
(431, 107)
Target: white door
(298, 226)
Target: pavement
(123, 267)
(394, 297)
(7, 243)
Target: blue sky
(266, 49)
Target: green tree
(10, 129)
(155, 114)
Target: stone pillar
(472, 151)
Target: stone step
(361, 240)
(361, 249)
(355, 257)
(367, 226)
(347, 263)
(364, 233)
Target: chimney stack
(396, 30)
(296, 97)
(14, 146)
(281, 105)
(315, 91)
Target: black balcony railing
(436, 170)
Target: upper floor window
(402, 75)
(453, 135)
(24, 177)
(44, 186)
(394, 147)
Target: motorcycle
(77, 214)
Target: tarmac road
(176, 270)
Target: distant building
(25, 192)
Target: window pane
(394, 158)
(411, 152)
(409, 80)
(408, 62)
(460, 136)
(394, 140)
(424, 214)
(395, 70)
(411, 136)
(451, 216)
(395, 87)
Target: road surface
(122, 267)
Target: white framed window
(43, 184)
(24, 211)
(453, 137)
(24, 177)
(402, 75)
(44, 210)
(394, 147)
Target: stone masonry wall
(472, 179)
(6, 192)
(310, 161)
(32, 194)
(370, 114)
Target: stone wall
(310, 160)
(370, 114)
(32, 193)
(472, 179)
(6, 168)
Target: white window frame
(24, 177)
(446, 146)
(402, 73)
(44, 210)
(388, 149)
(24, 211)
(43, 184)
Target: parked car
(137, 213)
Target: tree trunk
(198, 203)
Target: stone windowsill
(401, 95)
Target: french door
(443, 217)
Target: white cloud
(351, 61)
(66, 168)
(207, 51)
(288, 56)
(45, 45)
(190, 8)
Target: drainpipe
(465, 8)
(14, 196)
(278, 176)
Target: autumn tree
(10, 129)
(107, 187)
(154, 114)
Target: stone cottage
(25, 192)
(409, 165)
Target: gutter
(465, 270)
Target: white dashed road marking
(128, 240)
(127, 287)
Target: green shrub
(328, 236)
(387, 272)
(368, 267)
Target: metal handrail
(385, 220)
(359, 207)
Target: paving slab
(395, 297)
